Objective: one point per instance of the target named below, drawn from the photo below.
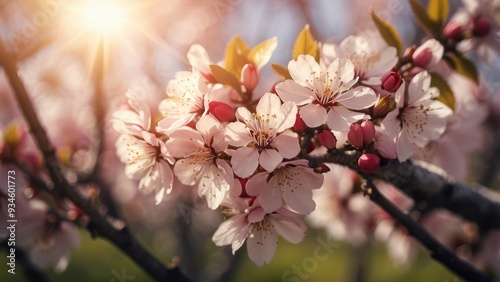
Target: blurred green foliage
(97, 260)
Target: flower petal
(269, 159)
(245, 161)
(313, 115)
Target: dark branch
(118, 235)
(430, 186)
(438, 250)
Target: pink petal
(269, 159)
(313, 115)
(287, 144)
(228, 230)
(290, 231)
(303, 70)
(256, 184)
(300, 199)
(237, 134)
(340, 118)
(359, 98)
(245, 161)
(262, 246)
(291, 91)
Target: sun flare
(103, 16)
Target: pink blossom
(199, 163)
(260, 230)
(134, 120)
(187, 101)
(148, 160)
(326, 93)
(47, 239)
(263, 137)
(428, 54)
(417, 119)
(291, 182)
(371, 56)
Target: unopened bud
(453, 30)
(482, 27)
(368, 132)
(383, 106)
(223, 112)
(300, 125)
(368, 162)
(327, 139)
(391, 81)
(321, 168)
(355, 136)
(428, 54)
(249, 76)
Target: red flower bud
(300, 125)
(327, 139)
(482, 27)
(249, 76)
(453, 30)
(223, 112)
(355, 136)
(368, 163)
(368, 132)
(422, 57)
(391, 81)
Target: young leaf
(446, 95)
(236, 55)
(224, 77)
(388, 32)
(261, 54)
(305, 45)
(281, 71)
(437, 10)
(463, 66)
(423, 19)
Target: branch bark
(429, 186)
(438, 250)
(118, 235)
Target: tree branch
(118, 235)
(438, 250)
(429, 186)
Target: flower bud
(327, 139)
(300, 125)
(368, 163)
(391, 81)
(355, 136)
(249, 76)
(453, 30)
(482, 27)
(368, 132)
(383, 106)
(428, 54)
(223, 112)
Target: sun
(103, 16)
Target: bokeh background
(55, 40)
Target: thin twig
(438, 250)
(119, 235)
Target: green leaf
(225, 77)
(463, 66)
(236, 55)
(261, 54)
(437, 10)
(388, 32)
(446, 95)
(305, 45)
(423, 19)
(281, 71)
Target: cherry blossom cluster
(244, 148)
